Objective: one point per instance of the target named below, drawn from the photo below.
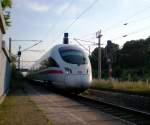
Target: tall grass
(140, 86)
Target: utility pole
(10, 47)
(89, 50)
(109, 48)
(26, 49)
(110, 69)
(99, 35)
(19, 55)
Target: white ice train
(65, 66)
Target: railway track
(125, 114)
(132, 116)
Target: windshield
(73, 56)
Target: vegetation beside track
(18, 109)
(131, 62)
(139, 87)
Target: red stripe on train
(55, 71)
(52, 72)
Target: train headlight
(68, 71)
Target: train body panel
(65, 66)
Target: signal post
(99, 35)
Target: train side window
(52, 62)
(43, 64)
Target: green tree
(132, 62)
(94, 61)
(6, 6)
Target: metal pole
(19, 55)
(99, 35)
(19, 63)
(10, 46)
(99, 59)
(109, 58)
(110, 71)
(89, 50)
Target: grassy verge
(139, 87)
(18, 109)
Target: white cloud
(125, 4)
(62, 8)
(38, 6)
(36, 23)
(67, 7)
(32, 5)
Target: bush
(138, 87)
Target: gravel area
(18, 109)
(124, 99)
(65, 111)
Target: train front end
(77, 69)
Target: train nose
(77, 81)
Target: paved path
(64, 111)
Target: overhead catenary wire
(51, 27)
(131, 33)
(77, 18)
(137, 13)
(85, 40)
(137, 31)
(91, 5)
(123, 22)
(28, 48)
(89, 34)
(35, 50)
(31, 46)
(55, 24)
(94, 32)
(94, 57)
(81, 45)
(17, 40)
(138, 20)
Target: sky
(47, 20)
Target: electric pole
(109, 49)
(19, 55)
(99, 35)
(10, 47)
(89, 50)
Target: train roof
(57, 47)
(67, 45)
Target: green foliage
(6, 5)
(132, 62)
(117, 71)
(136, 87)
(7, 19)
(16, 75)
